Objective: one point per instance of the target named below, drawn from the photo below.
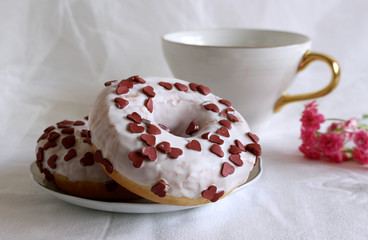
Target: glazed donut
(171, 141)
(64, 155)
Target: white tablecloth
(55, 55)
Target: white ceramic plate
(130, 206)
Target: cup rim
(167, 37)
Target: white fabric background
(55, 56)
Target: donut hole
(176, 115)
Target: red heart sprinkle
(253, 137)
(86, 117)
(159, 189)
(149, 91)
(103, 161)
(78, 123)
(48, 175)
(194, 145)
(136, 158)
(181, 87)
(122, 90)
(87, 140)
(150, 152)
(49, 145)
(217, 196)
(152, 129)
(135, 117)
(175, 153)
(68, 141)
(43, 136)
(138, 79)
(149, 105)
(192, 128)
(49, 129)
(209, 193)
(227, 169)
(216, 149)
(126, 82)
(150, 140)
(121, 103)
(212, 107)
(166, 85)
(164, 127)
(205, 135)
(234, 149)
(109, 83)
(216, 139)
(225, 123)
(87, 159)
(39, 155)
(232, 117)
(193, 86)
(86, 133)
(52, 161)
(236, 159)
(226, 111)
(164, 147)
(53, 136)
(223, 132)
(225, 102)
(203, 89)
(70, 154)
(135, 128)
(254, 148)
(68, 130)
(240, 145)
(39, 165)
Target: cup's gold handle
(308, 58)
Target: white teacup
(250, 67)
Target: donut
(65, 155)
(171, 141)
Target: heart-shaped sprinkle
(164, 147)
(136, 158)
(48, 175)
(68, 130)
(135, 128)
(193, 86)
(181, 87)
(225, 102)
(135, 117)
(103, 161)
(87, 140)
(205, 135)
(254, 148)
(212, 107)
(217, 196)
(70, 154)
(216, 139)
(150, 152)
(152, 129)
(203, 89)
(236, 159)
(194, 145)
(79, 123)
(149, 91)
(216, 149)
(126, 82)
(209, 193)
(39, 165)
(53, 136)
(225, 123)
(253, 137)
(232, 117)
(166, 85)
(223, 132)
(68, 141)
(122, 90)
(39, 155)
(164, 127)
(43, 136)
(175, 153)
(52, 161)
(227, 169)
(49, 145)
(49, 129)
(159, 189)
(121, 103)
(109, 83)
(64, 124)
(234, 149)
(192, 128)
(226, 111)
(138, 79)
(87, 159)
(240, 145)
(86, 133)
(150, 140)
(149, 105)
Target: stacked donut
(169, 141)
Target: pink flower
(360, 156)
(331, 146)
(311, 119)
(310, 151)
(335, 126)
(308, 136)
(361, 140)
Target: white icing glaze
(73, 169)
(193, 172)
